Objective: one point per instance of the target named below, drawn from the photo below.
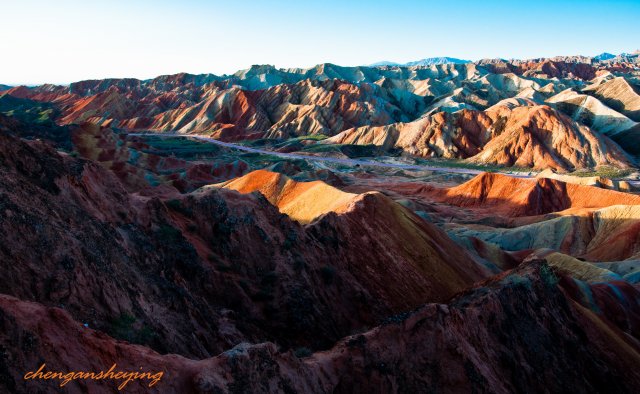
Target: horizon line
(281, 68)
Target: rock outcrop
(526, 197)
(517, 332)
(618, 94)
(528, 135)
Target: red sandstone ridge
(540, 137)
(458, 135)
(307, 107)
(222, 111)
(417, 249)
(509, 196)
(301, 201)
(505, 219)
(533, 136)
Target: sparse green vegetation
(314, 137)
(254, 156)
(266, 142)
(351, 151)
(319, 148)
(260, 143)
(290, 240)
(262, 295)
(27, 111)
(268, 280)
(184, 148)
(299, 264)
(245, 285)
(458, 163)
(174, 204)
(605, 172)
(548, 276)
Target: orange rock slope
(520, 215)
(374, 225)
(503, 194)
(301, 201)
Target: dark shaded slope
(197, 274)
(521, 332)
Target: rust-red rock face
(527, 197)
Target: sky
(44, 41)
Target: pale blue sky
(69, 40)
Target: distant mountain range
(625, 56)
(429, 61)
(604, 56)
